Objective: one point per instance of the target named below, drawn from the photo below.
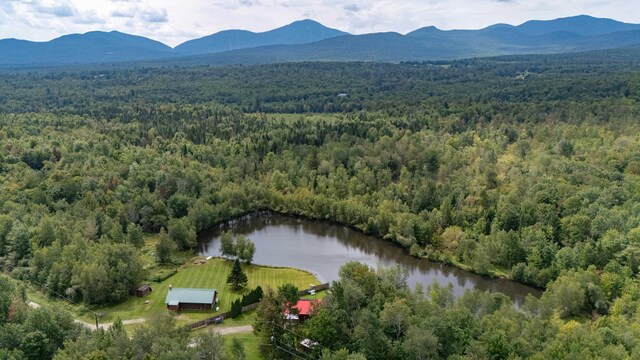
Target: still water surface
(322, 247)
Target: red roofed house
(304, 308)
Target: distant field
(213, 274)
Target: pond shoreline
(277, 267)
(374, 251)
(269, 212)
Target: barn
(190, 299)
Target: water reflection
(322, 247)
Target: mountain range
(299, 32)
(308, 40)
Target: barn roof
(189, 296)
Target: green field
(250, 342)
(213, 274)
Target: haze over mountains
(308, 40)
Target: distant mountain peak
(585, 25)
(301, 24)
(425, 31)
(430, 28)
(306, 21)
(298, 32)
(499, 25)
(90, 47)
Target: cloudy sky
(174, 21)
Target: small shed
(190, 299)
(143, 290)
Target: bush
(162, 276)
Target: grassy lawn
(213, 274)
(250, 343)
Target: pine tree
(237, 278)
(236, 308)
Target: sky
(175, 21)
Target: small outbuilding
(190, 299)
(143, 290)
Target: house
(143, 290)
(303, 309)
(190, 299)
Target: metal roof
(189, 296)
(304, 307)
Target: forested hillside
(525, 167)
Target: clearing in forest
(212, 274)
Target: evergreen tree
(236, 308)
(252, 297)
(237, 278)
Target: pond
(322, 247)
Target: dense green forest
(525, 167)
(374, 315)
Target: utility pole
(96, 315)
